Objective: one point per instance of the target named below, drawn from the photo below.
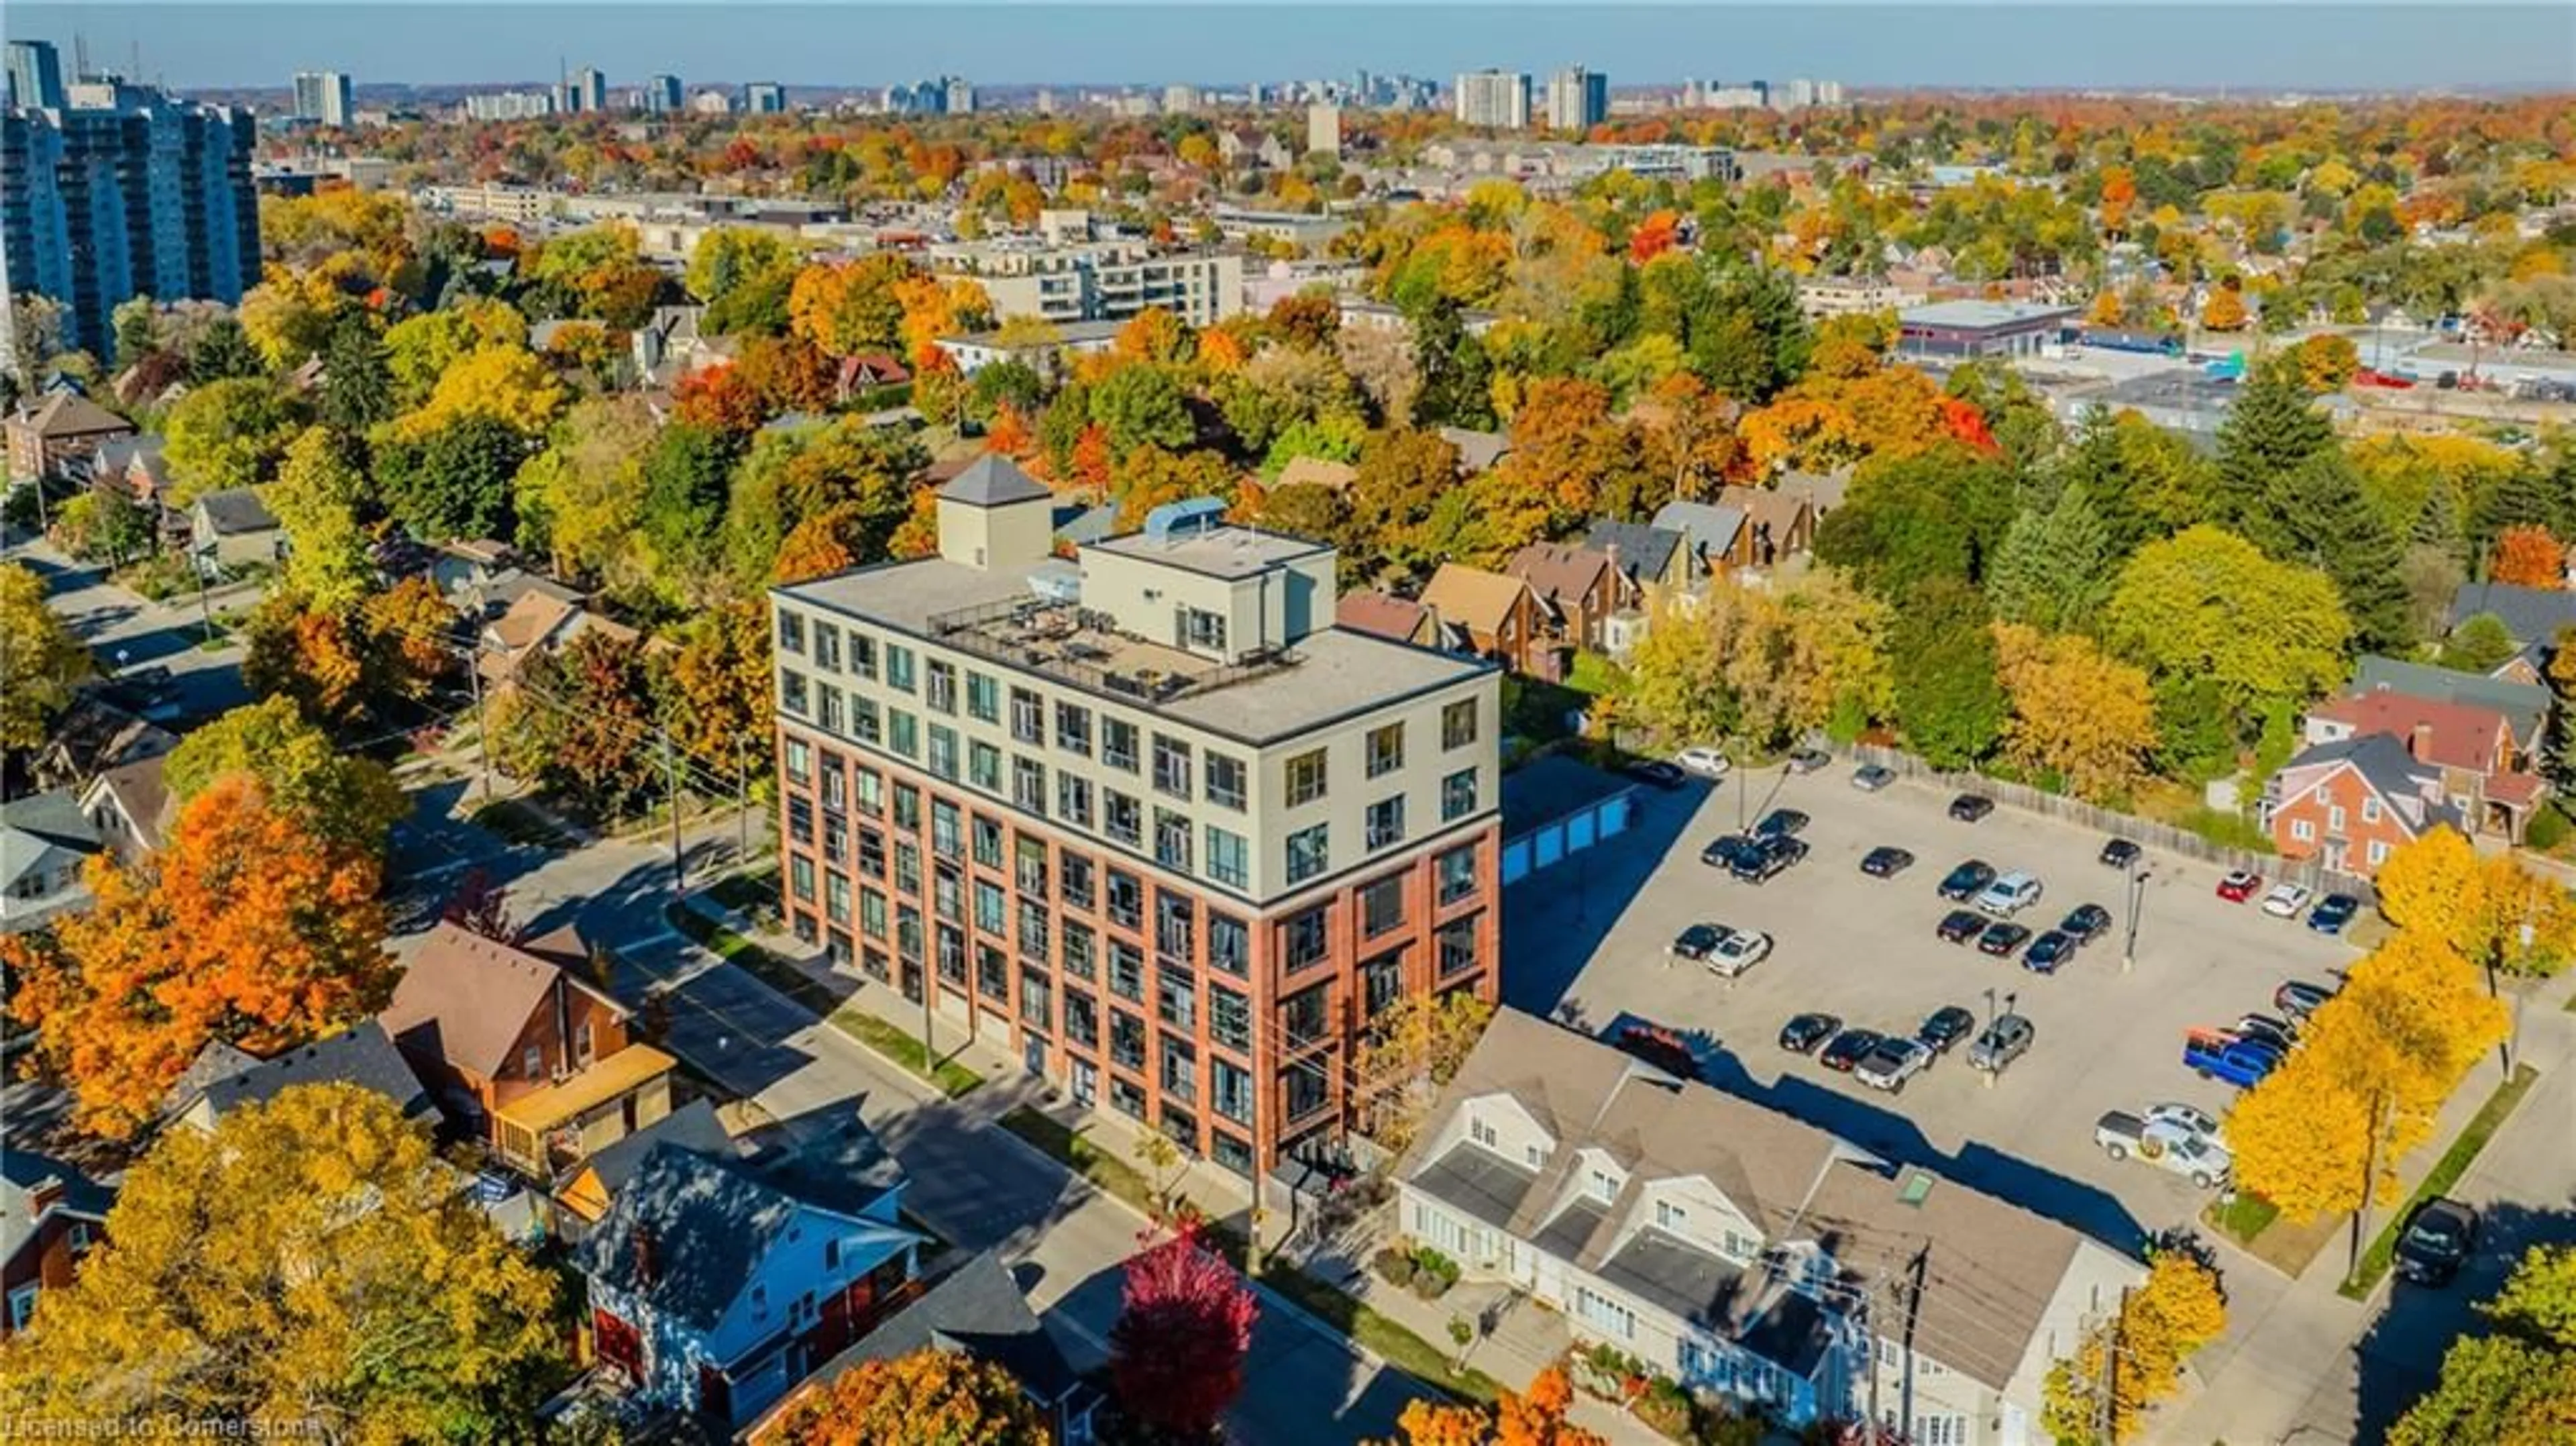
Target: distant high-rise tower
(1180, 99)
(961, 97)
(1577, 99)
(323, 96)
(1046, 102)
(1495, 98)
(1324, 129)
(662, 94)
(35, 74)
(764, 97)
(586, 90)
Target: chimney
(44, 1195)
(641, 1241)
(2419, 744)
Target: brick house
(2473, 746)
(2352, 803)
(521, 1048)
(50, 1215)
(1578, 587)
(56, 435)
(1493, 615)
(1783, 524)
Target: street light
(2136, 900)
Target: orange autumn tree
(1535, 1419)
(244, 928)
(929, 1398)
(1654, 236)
(2529, 557)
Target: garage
(1557, 807)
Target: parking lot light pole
(2136, 900)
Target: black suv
(1803, 1033)
(2437, 1239)
(2119, 853)
(1780, 823)
(2086, 922)
(1967, 880)
(1960, 926)
(1768, 858)
(1886, 862)
(1970, 807)
(1945, 1027)
(1723, 853)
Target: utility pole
(679, 863)
(482, 735)
(2106, 1411)
(742, 801)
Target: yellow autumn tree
(506, 383)
(2159, 1326)
(2077, 712)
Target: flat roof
(1973, 315)
(1064, 333)
(1551, 788)
(1227, 552)
(1327, 675)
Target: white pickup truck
(2165, 1145)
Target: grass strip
(2243, 1219)
(2446, 1172)
(948, 1076)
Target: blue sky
(2259, 45)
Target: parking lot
(1585, 941)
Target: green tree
(2480, 644)
(341, 799)
(456, 481)
(40, 658)
(728, 258)
(2517, 1386)
(684, 477)
(2270, 432)
(357, 382)
(2322, 521)
(1401, 477)
(227, 434)
(2054, 569)
(1748, 337)
(1909, 520)
(224, 352)
(1141, 405)
(1948, 697)
(2208, 604)
(316, 498)
(1457, 377)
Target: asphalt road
(126, 631)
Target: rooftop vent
(1917, 1187)
(1175, 520)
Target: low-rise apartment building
(1105, 280)
(1739, 1250)
(1148, 815)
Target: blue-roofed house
(1717, 537)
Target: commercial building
(764, 97)
(1107, 280)
(1577, 99)
(1499, 99)
(1744, 1252)
(150, 197)
(1324, 129)
(1149, 816)
(1981, 328)
(35, 72)
(661, 94)
(510, 105)
(587, 89)
(323, 97)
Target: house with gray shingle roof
(2352, 802)
(1716, 537)
(45, 842)
(2531, 616)
(2525, 706)
(1743, 1251)
(361, 1055)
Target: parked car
(1962, 883)
(1740, 950)
(1847, 1049)
(1970, 807)
(2000, 939)
(1886, 862)
(1946, 1026)
(2436, 1241)
(2122, 1135)
(1723, 852)
(1896, 1060)
(2281, 1034)
(2190, 1119)
(1959, 926)
(2285, 901)
(2239, 885)
(2217, 1054)
(1657, 773)
(2119, 853)
(2002, 1042)
(2299, 999)
(1809, 760)
(1870, 778)
(2049, 952)
(1694, 944)
(1768, 858)
(1781, 823)
(2086, 922)
(2009, 894)
(1804, 1032)
(1705, 761)
(2332, 913)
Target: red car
(2239, 886)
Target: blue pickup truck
(2217, 1054)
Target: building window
(1309, 852)
(1172, 840)
(1126, 899)
(1306, 774)
(1037, 1000)
(1386, 823)
(1229, 858)
(1305, 1016)
(827, 647)
(1028, 786)
(1073, 799)
(1073, 875)
(1123, 817)
(988, 841)
(1118, 744)
(2369, 810)
(1081, 1020)
(903, 733)
(992, 974)
(1458, 723)
(988, 907)
(1457, 946)
(829, 712)
(1180, 1070)
(872, 914)
(1483, 1133)
(800, 877)
(983, 698)
(1029, 866)
(836, 899)
(2334, 818)
(1126, 1040)
(863, 656)
(1385, 750)
(942, 692)
(1230, 1152)
(1078, 944)
(1073, 729)
(1601, 1186)
(1171, 766)
(1175, 928)
(1382, 983)
(1230, 1091)
(791, 631)
(1382, 906)
(1127, 971)
(791, 691)
(1944, 1429)
(899, 667)
(1457, 870)
(2378, 852)
(800, 761)
(2302, 830)
(947, 830)
(1226, 780)
(868, 786)
(1305, 1089)
(1672, 1217)
(1205, 631)
(1604, 1314)
(1307, 938)
(1028, 717)
(1033, 930)
(1458, 795)
(943, 753)
(1126, 1098)
(1229, 1018)
(1229, 945)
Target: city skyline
(2275, 47)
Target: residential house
(669, 346)
(223, 1079)
(1783, 522)
(520, 1047)
(1578, 589)
(1317, 472)
(2473, 746)
(1477, 451)
(1822, 491)
(233, 528)
(977, 1310)
(587, 1190)
(1245, 147)
(1384, 615)
(54, 435)
(134, 468)
(45, 841)
(864, 372)
(1653, 558)
(50, 1215)
(2351, 803)
(715, 1288)
(542, 619)
(471, 565)
(1715, 537)
(1496, 616)
(97, 733)
(2531, 616)
(1744, 1252)
(130, 806)
(2525, 706)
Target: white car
(1704, 761)
(2190, 1119)
(1738, 951)
(2008, 895)
(1895, 1060)
(2285, 901)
